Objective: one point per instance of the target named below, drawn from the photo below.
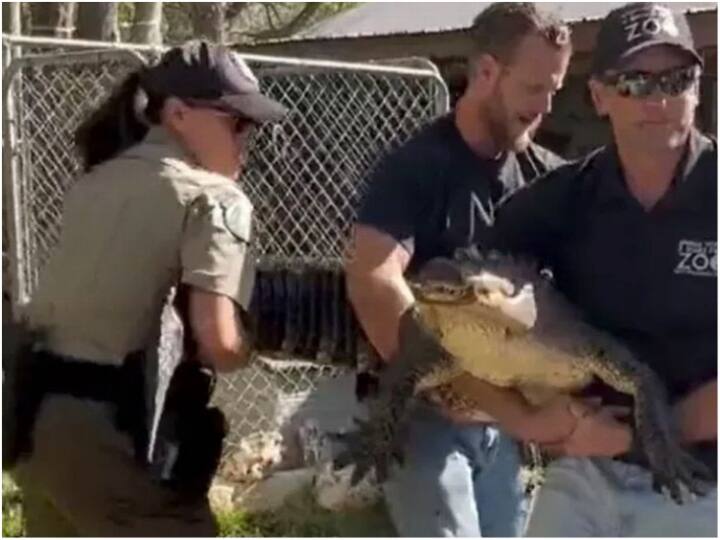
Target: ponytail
(120, 122)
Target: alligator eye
(547, 274)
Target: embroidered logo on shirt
(697, 258)
(479, 215)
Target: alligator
(498, 318)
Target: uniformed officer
(630, 233)
(158, 206)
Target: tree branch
(278, 19)
(268, 17)
(208, 20)
(292, 26)
(235, 9)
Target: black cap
(204, 71)
(634, 27)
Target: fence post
(15, 19)
(12, 188)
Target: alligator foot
(674, 468)
(657, 445)
(368, 447)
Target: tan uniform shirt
(133, 227)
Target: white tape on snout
(522, 307)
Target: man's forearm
(379, 302)
(696, 414)
(514, 414)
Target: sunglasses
(641, 84)
(240, 122)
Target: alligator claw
(681, 474)
(674, 469)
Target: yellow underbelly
(507, 359)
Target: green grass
(299, 517)
(12, 522)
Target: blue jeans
(457, 480)
(602, 497)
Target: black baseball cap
(200, 70)
(634, 27)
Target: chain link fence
(46, 101)
(305, 175)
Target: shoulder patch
(237, 216)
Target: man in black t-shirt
(630, 233)
(435, 194)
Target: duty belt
(44, 373)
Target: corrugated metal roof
(388, 18)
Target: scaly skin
(499, 320)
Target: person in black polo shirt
(435, 194)
(630, 233)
